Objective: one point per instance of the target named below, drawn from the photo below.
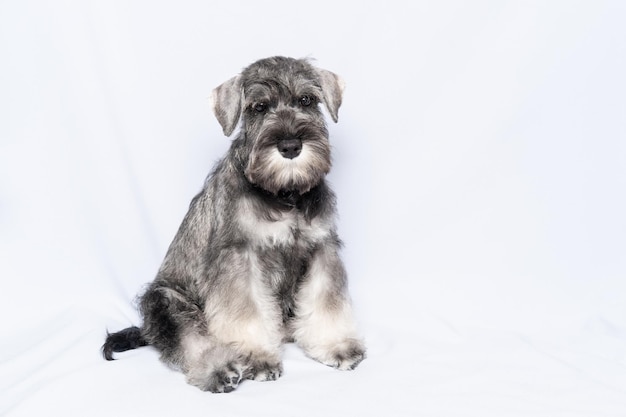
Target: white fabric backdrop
(480, 165)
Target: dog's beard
(268, 169)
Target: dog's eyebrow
(257, 94)
(307, 88)
(264, 84)
(257, 88)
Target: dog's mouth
(289, 171)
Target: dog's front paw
(222, 379)
(262, 370)
(345, 356)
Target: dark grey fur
(255, 262)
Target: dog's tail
(121, 341)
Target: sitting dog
(255, 262)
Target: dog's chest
(283, 229)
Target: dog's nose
(290, 148)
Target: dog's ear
(226, 104)
(332, 90)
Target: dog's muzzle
(290, 148)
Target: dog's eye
(260, 107)
(306, 101)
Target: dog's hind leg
(175, 325)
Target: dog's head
(284, 140)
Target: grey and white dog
(255, 262)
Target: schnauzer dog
(255, 262)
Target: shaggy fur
(255, 262)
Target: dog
(255, 263)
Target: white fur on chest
(287, 228)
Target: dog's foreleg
(324, 325)
(245, 313)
